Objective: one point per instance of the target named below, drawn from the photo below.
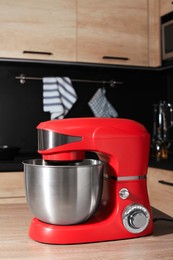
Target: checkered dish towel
(100, 106)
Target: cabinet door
(154, 33)
(113, 32)
(38, 29)
(166, 6)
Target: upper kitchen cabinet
(166, 6)
(38, 29)
(116, 32)
(93, 31)
(113, 31)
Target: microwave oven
(167, 40)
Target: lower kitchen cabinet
(12, 189)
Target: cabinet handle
(115, 58)
(38, 52)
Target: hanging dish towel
(100, 106)
(58, 96)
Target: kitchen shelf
(8, 61)
(77, 64)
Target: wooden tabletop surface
(15, 218)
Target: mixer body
(123, 147)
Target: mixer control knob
(135, 218)
(124, 193)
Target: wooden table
(15, 218)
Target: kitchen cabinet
(38, 29)
(114, 32)
(107, 32)
(12, 188)
(166, 6)
(154, 34)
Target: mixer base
(83, 233)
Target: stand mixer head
(115, 202)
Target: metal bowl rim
(33, 163)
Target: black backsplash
(21, 108)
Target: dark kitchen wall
(168, 79)
(21, 107)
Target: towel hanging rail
(22, 78)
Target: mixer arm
(121, 143)
(86, 127)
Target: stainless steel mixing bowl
(63, 194)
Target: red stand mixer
(116, 182)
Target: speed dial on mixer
(135, 218)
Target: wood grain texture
(113, 28)
(15, 218)
(161, 196)
(45, 26)
(154, 34)
(12, 187)
(15, 243)
(81, 31)
(166, 6)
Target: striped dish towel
(58, 96)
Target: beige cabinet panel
(114, 29)
(12, 189)
(166, 6)
(83, 31)
(154, 33)
(38, 26)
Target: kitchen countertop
(15, 218)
